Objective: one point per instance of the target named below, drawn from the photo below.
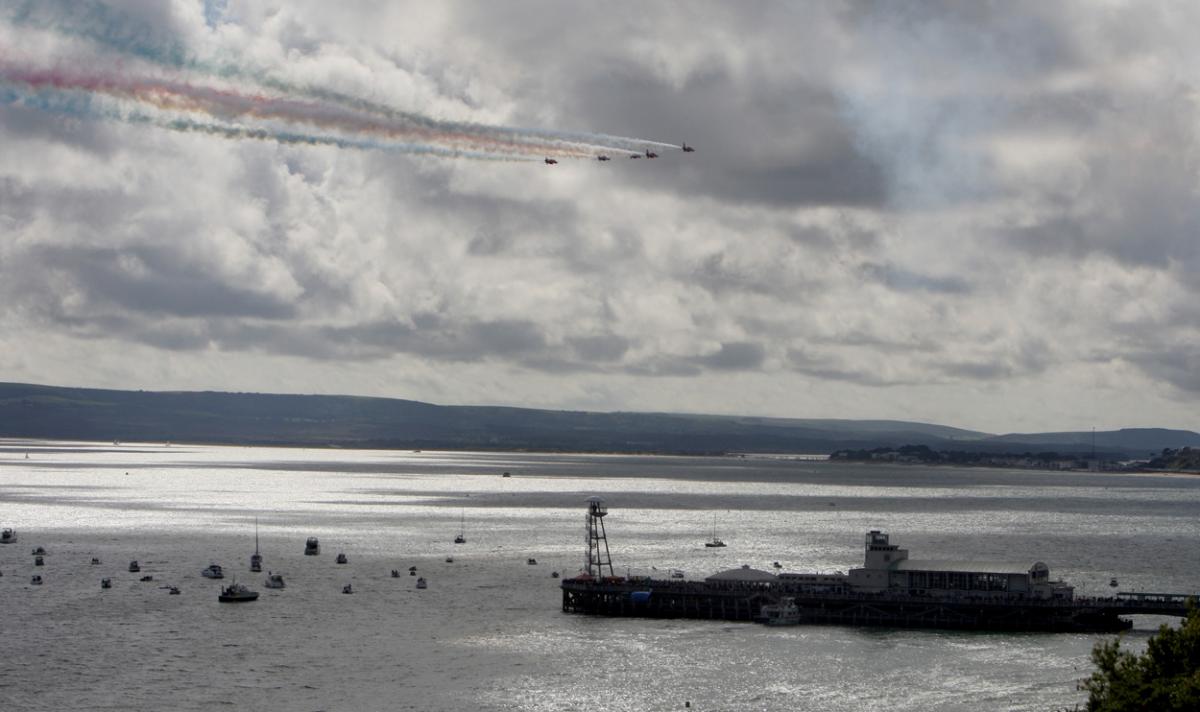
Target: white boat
(275, 581)
(786, 612)
(714, 543)
(312, 547)
(237, 593)
(213, 572)
(421, 583)
(8, 536)
(256, 558)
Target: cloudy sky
(976, 214)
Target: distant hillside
(51, 412)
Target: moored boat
(274, 581)
(133, 567)
(342, 559)
(347, 589)
(105, 583)
(213, 572)
(422, 583)
(312, 547)
(8, 536)
(36, 580)
(256, 558)
(786, 612)
(237, 593)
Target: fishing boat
(342, 559)
(237, 593)
(312, 547)
(133, 567)
(274, 581)
(213, 572)
(714, 543)
(421, 583)
(462, 531)
(256, 558)
(8, 536)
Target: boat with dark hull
(237, 593)
(888, 590)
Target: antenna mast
(597, 552)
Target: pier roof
(745, 573)
(974, 567)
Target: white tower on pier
(597, 552)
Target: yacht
(237, 593)
(312, 547)
(462, 531)
(786, 612)
(421, 583)
(395, 573)
(37, 561)
(8, 536)
(256, 558)
(213, 572)
(714, 543)
(105, 583)
(36, 580)
(40, 551)
(531, 562)
(274, 581)
(133, 567)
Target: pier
(889, 590)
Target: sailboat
(714, 542)
(461, 538)
(256, 558)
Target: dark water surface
(488, 632)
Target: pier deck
(703, 600)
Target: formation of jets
(648, 154)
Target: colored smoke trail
(222, 94)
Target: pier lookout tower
(597, 553)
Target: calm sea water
(488, 633)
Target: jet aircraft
(551, 162)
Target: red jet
(551, 162)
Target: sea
(489, 633)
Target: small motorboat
(36, 580)
(395, 573)
(213, 572)
(105, 583)
(531, 561)
(274, 581)
(40, 551)
(1113, 582)
(37, 561)
(342, 559)
(777, 565)
(133, 567)
(553, 574)
(95, 561)
(237, 593)
(8, 536)
(449, 559)
(147, 577)
(347, 589)
(312, 547)
(421, 583)
(506, 475)
(173, 591)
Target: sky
(982, 214)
